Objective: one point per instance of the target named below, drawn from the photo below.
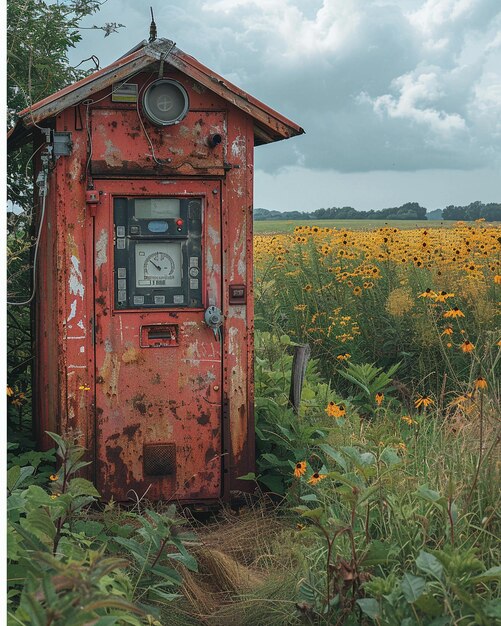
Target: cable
(37, 241)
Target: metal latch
(214, 319)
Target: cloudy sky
(400, 99)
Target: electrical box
(144, 309)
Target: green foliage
(66, 568)
(282, 437)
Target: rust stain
(132, 355)
(109, 374)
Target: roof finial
(153, 27)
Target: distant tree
(452, 212)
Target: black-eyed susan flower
(10, 391)
(335, 410)
(408, 420)
(427, 293)
(467, 346)
(448, 330)
(402, 447)
(423, 401)
(480, 383)
(442, 296)
(316, 478)
(455, 312)
(497, 279)
(54, 477)
(343, 357)
(379, 397)
(300, 469)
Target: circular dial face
(159, 265)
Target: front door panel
(158, 365)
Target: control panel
(158, 258)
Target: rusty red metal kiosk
(144, 305)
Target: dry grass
(245, 576)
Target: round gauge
(159, 265)
(193, 272)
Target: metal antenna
(153, 27)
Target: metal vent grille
(159, 459)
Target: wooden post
(299, 363)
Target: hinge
(93, 330)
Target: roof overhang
(269, 125)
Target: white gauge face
(158, 264)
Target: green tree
(39, 37)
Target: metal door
(158, 365)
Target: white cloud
(435, 14)
(290, 34)
(417, 90)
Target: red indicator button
(179, 222)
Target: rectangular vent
(159, 459)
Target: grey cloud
(333, 91)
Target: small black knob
(215, 140)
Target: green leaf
(310, 497)
(492, 608)
(429, 605)
(390, 457)
(40, 524)
(313, 513)
(82, 487)
(13, 476)
(429, 564)
(333, 454)
(412, 587)
(430, 495)
(370, 607)
(187, 560)
(249, 476)
(494, 573)
(274, 483)
(377, 553)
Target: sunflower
(423, 401)
(467, 346)
(480, 383)
(300, 469)
(379, 398)
(316, 478)
(455, 312)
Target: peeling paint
(112, 154)
(75, 280)
(73, 311)
(214, 235)
(238, 148)
(102, 248)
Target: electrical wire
(37, 245)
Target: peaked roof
(269, 125)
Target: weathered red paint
(98, 371)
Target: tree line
(409, 211)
